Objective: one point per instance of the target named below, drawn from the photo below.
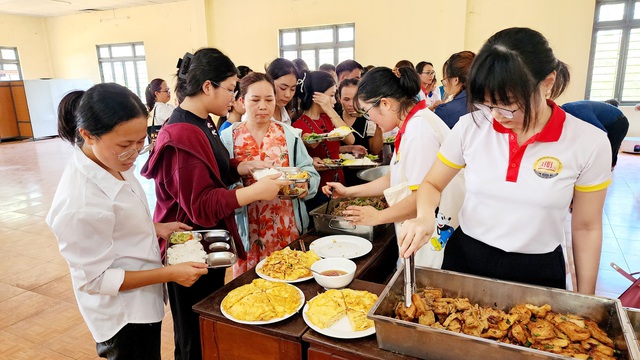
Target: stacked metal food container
(426, 342)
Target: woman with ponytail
(525, 160)
(389, 100)
(157, 95)
(316, 92)
(101, 219)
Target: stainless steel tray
(634, 318)
(426, 342)
(337, 225)
(219, 246)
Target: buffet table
(222, 338)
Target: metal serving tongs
(409, 279)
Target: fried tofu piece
(462, 304)
(542, 329)
(494, 334)
(508, 320)
(519, 334)
(420, 304)
(431, 294)
(450, 318)
(596, 355)
(573, 331)
(405, 313)
(442, 308)
(428, 318)
(598, 334)
(524, 314)
(539, 312)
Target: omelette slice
(237, 294)
(326, 308)
(253, 307)
(358, 305)
(285, 299)
(358, 320)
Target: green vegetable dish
(181, 237)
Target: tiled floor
(38, 314)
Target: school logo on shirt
(547, 167)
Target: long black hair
(510, 67)
(206, 64)
(381, 82)
(313, 81)
(150, 93)
(97, 110)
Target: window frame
(626, 24)
(336, 45)
(16, 62)
(123, 59)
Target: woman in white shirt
(158, 95)
(102, 221)
(388, 99)
(525, 162)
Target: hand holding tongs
(409, 279)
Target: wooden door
(8, 123)
(21, 108)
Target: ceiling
(50, 8)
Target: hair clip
(301, 82)
(184, 64)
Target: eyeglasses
(503, 112)
(442, 81)
(365, 114)
(168, 90)
(233, 92)
(431, 72)
(134, 151)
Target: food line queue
(523, 157)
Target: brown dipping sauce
(333, 272)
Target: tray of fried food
(529, 325)
(262, 302)
(377, 202)
(287, 265)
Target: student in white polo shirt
(525, 159)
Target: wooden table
(323, 347)
(222, 338)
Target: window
(124, 64)
(9, 64)
(614, 67)
(319, 45)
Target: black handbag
(153, 129)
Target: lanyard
(417, 107)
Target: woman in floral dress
(273, 224)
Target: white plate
(266, 277)
(274, 320)
(341, 246)
(341, 329)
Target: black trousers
(133, 341)
(186, 323)
(468, 255)
(616, 131)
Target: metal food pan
(337, 225)
(426, 342)
(634, 319)
(219, 246)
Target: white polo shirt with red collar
(518, 197)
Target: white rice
(192, 250)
